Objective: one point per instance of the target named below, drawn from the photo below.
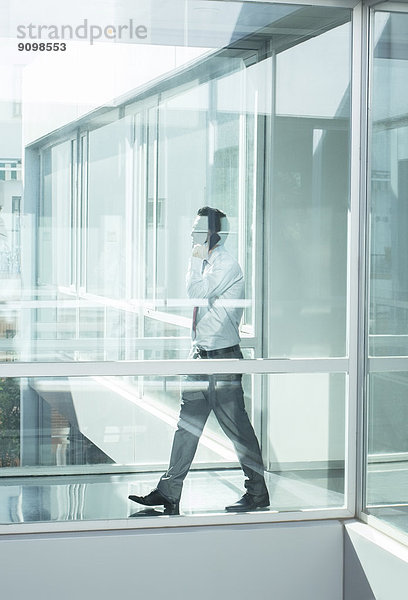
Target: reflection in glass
(72, 427)
(386, 396)
(389, 187)
(305, 424)
(250, 116)
(387, 443)
(112, 187)
(108, 182)
(54, 247)
(309, 210)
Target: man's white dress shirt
(218, 283)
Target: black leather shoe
(155, 498)
(248, 502)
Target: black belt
(211, 353)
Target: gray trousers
(224, 395)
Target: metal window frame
(370, 364)
(171, 368)
(362, 13)
(256, 366)
(164, 522)
(384, 527)
(328, 3)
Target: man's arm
(214, 282)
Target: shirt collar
(214, 254)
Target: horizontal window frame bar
(383, 364)
(164, 522)
(174, 367)
(387, 505)
(90, 301)
(61, 471)
(91, 343)
(322, 3)
(394, 533)
(380, 458)
(389, 6)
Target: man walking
(214, 277)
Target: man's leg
(227, 400)
(193, 416)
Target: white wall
(280, 561)
(277, 561)
(383, 561)
(306, 419)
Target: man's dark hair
(218, 214)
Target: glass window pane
(387, 445)
(54, 247)
(124, 427)
(244, 108)
(389, 185)
(386, 395)
(306, 433)
(113, 187)
(108, 181)
(151, 204)
(310, 201)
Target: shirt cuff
(196, 264)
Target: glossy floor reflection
(387, 483)
(387, 493)
(396, 516)
(93, 497)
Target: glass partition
(307, 263)
(245, 108)
(109, 181)
(113, 435)
(111, 195)
(387, 407)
